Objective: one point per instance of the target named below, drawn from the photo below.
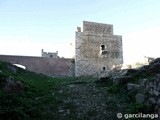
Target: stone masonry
(97, 49)
(50, 54)
(46, 65)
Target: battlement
(97, 28)
(50, 54)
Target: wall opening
(20, 66)
(104, 68)
(103, 50)
(103, 47)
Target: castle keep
(97, 49)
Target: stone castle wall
(45, 65)
(96, 49)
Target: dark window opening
(104, 52)
(103, 47)
(104, 68)
(51, 55)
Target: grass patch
(39, 98)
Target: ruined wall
(48, 66)
(96, 49)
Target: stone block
(140, 98)
(133, 87)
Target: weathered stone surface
(140, 98)
(97, 49)
(152, 100)
(12, 85)
(133, 87)
(47, 66)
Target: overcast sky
(27, 26)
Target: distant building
(50, 54)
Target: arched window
(103, 47)
(103, 50)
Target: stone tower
(97, 49)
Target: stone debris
(140, 98)
(12, 85)
(147, 89)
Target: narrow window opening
(103, 47)
(103, 51)
(104, 68)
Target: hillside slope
(26, 95)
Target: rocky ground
(91, 102)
